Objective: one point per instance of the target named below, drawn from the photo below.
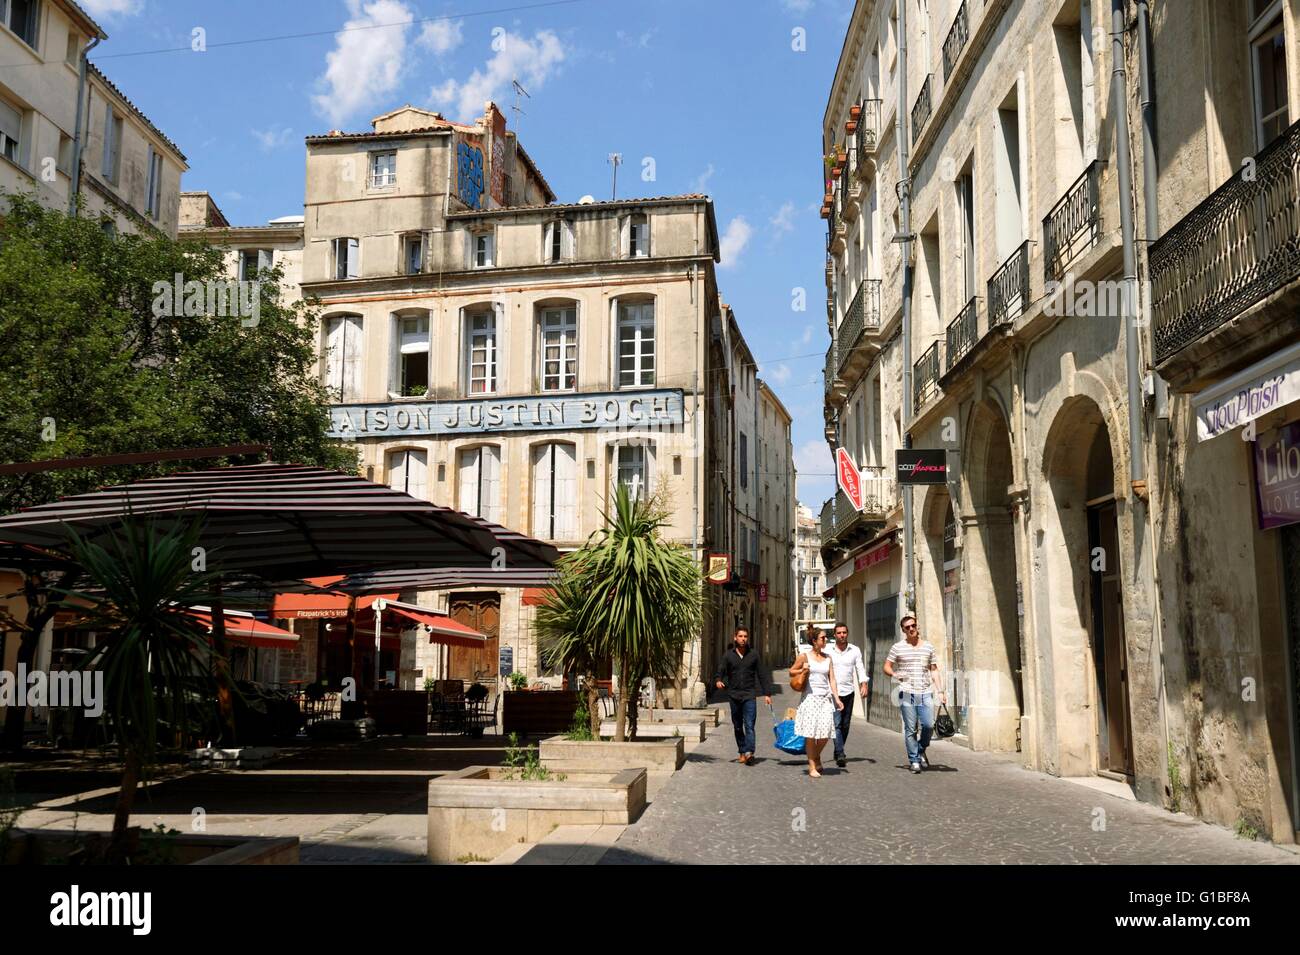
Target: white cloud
(641, 40)
(441, 36)
(797, 6)
(113, 8)
(234, 196)
(777, 374)
(807, 335)
(366, 63)
(783, 221)
(531, 62)
(272, 138)
(702, 182)
(815, 473)
(733, 242)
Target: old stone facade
(1039, 562)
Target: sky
(707, 96)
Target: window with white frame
(252, 262)
(744, 460)
(342, 365)
(112, 157)
(153, 194)
(1269, 71)
(555, 492)
(557, 241)
(481, 352)
(481, 250)
(632, 466)
(408, 471)
(636, 344)
(347, 258)
(383, 169)
(558, 348)
(23, 17)
(413, 253)
(412, 358)
(636, 236)
(11, 129)
(480, 482)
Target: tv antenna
(615, 160)
(519, 90)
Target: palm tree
(631, 596)
(153, 656)
(561, 644)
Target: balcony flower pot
(855, 112)
(826, 212)
(841, 157)
(851, 127)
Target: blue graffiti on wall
(469, 174)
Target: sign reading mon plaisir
(620, 410)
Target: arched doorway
(1081, 555)
(939, 605)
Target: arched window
(408, 471)
(480, 482)
(341, 367)
(557, 347)
(555, 491)
(635, 341)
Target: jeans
(843, 721)
(916, 706)
(743, 713)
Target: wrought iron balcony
(863, 316)
(830, 367)
(749, 571)
(840, 519)
(867, 137)
(1233, 250)
(925, 377)
(850, 197)
(1074, 224)
(921, 108)
(1009, 287)
(828, 522)
(963, 333)
(958, 36)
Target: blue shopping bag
(787, 740)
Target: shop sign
(921, 465)
(1277, 477)
(1248, 395)
(863, 561)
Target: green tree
(562, 643)
(629, 596)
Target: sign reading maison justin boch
(616, 410)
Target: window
(1268, 62)
(636, 236)
(482, 353)
(480, 482)
(23, 17)
(347, 258)
(558, 349)
(408, 471)
(112, 143)
(65, 154)
(383, 169)
(632, 468)
(11, 125)
(555, 492)
(557, 241)
(252, 262)
(413, 254)
(73, 52)
(966, 225)
(636, 344)
(1009, 186)
(412, 341)
(153, 196)
(343, 356)
(481, 243)
(744, 460)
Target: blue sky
(711, 90)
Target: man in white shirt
(849, 671)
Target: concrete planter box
(692, 731)
(652, 755)
(476, 812)
(52, 847)
(710, 715)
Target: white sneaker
(916, 767)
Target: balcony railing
(1009, 287)
(863, 316)
(830, 367)
(921, 109)
(828, 522)
(839, 516)
(1074, 224)
(749, 571)
(957, 39)
(925, 377)
(963, 333)
(868, 134)
(1234, 249)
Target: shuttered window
(343, 357)
(555, 492)
(480, 483)
(408, 471)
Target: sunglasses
(910, 626)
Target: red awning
(248, 631)
(536, 596)
(319, 605)
(441, 628)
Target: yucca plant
(630, 596)
(562, 644)
(154, 653)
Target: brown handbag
(799, 679)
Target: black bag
(943, 724)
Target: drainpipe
(83, 69)
(905, 247)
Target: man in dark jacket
(741, 675)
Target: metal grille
(1009, 287)
(868, 134)
(921, 109)
(1074, 224)
(925, 376)
(963, 332)
(956, 41)
(830, 367)
(863, 315)
(1234, 249)
(828, 522)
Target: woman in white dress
(815, 718)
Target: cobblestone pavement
(967, 808)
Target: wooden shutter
(491, 476)
(566, 492)
(542, 473)
(354, 258)
(351, 358)
(469, 481)
(566, 240)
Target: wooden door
(482, 611)
(1110, 655)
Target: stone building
(810, 572)
(65, 128)
(1077, 491)
(248, 249)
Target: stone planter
(653, 755)
(54, 847)
(476, 814)
(692, 731)
(709, 714)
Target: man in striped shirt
(914, 666)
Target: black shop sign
(921, 466)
